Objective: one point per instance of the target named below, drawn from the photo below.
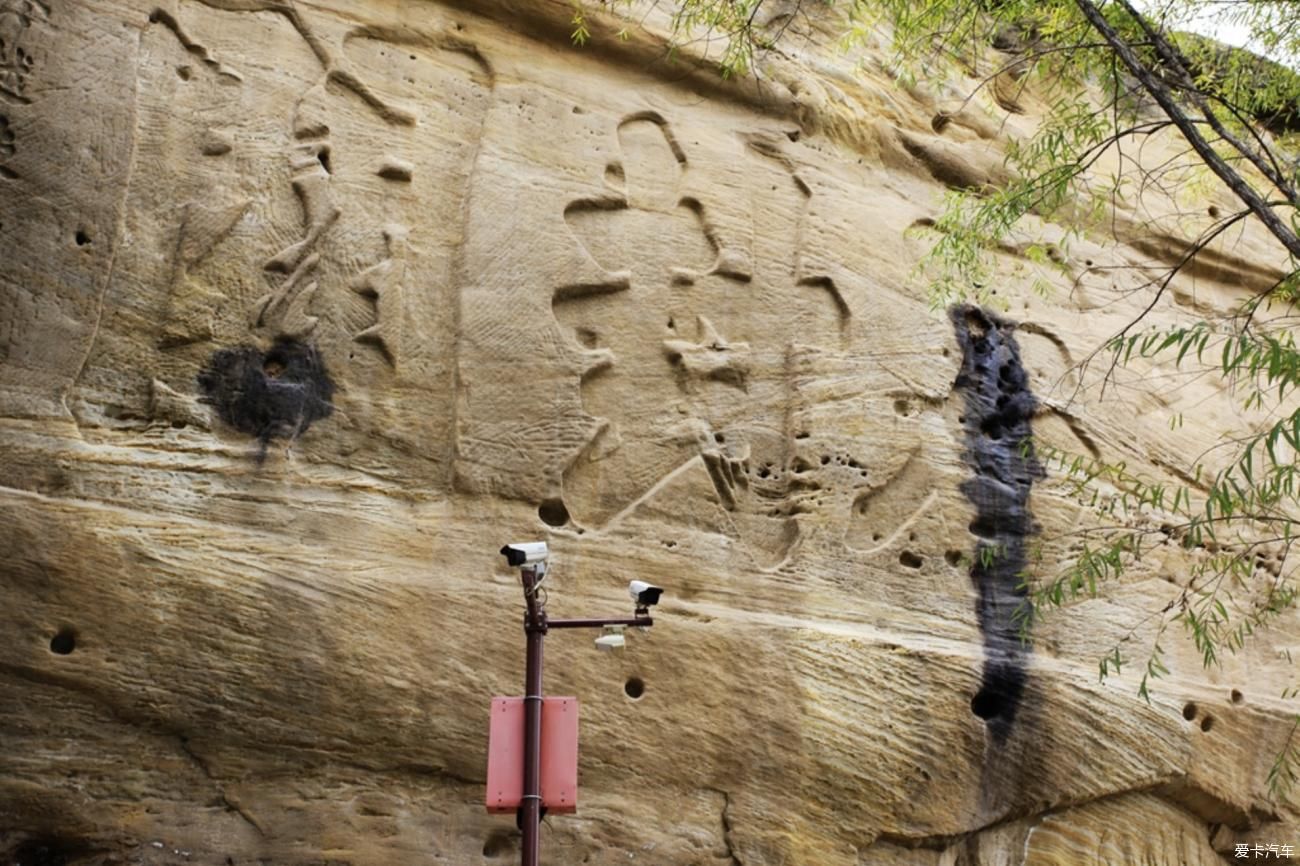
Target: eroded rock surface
(306, 309)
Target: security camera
(644, 594)
(611, 639)
(528, 553)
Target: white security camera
(644, 594)
(611, 639)
(528, 553)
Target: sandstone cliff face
(307, 308)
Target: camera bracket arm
(638, 621)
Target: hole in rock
(1189, 711)
(81, 237)
(323, 157)
(910, 559)
(976, 325)
(952, 557)
(1236, 696)
(185, 73)
(902, 407)
(553, 512)
(1207, 723)
(634, 688)
(64, 642)
(988, 703)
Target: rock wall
(306, 309)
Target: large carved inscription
(695, 336)
(308, 206)
(727, 354)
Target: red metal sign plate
(505, 771)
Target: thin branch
(1212, 159)
(1172, 57)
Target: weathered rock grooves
(306, 309)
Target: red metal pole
(535, 628)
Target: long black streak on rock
(999, 406)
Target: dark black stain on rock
(276, 394)
(45, 851)
(999, 407)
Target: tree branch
(1187, 127)
(1174, 59)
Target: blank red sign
(505, 770)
